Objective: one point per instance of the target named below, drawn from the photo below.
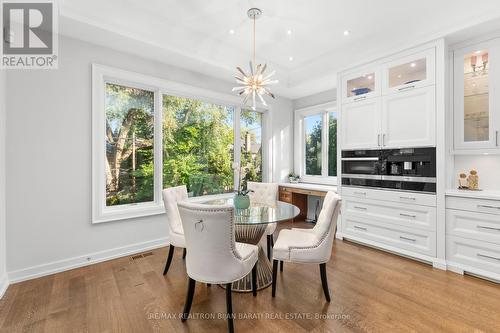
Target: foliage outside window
(332, 144)
(316, 144)
(251, 146)
(198, 143)
(129, 145)
(313, 128)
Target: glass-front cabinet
(476, 95)
(410, 72)
(361, 86)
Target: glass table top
(259, 214)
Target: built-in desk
(296, 194)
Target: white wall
(316, 99)
(3, 271)
(488, 168)
(49, 162)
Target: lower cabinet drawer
(478, 226)
(474, 253)
(406, 215)
(474, 205)
(419, 241)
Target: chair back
(263, 193)
(327, 219)
(171, 196)
(210, 242)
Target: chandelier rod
(254, 63)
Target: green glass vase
(241, 201)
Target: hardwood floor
(371, 291)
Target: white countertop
(312, 187)
(486, 194)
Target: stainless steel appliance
(407, 169)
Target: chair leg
(275, 275)
(184, 253)
(169, 259)
(209, 284)
(281, 266)
(272, 241)
(229, 304)
(189, 300)
(324, 281)
(254, 279)
(269, 244)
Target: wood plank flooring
(371, 291)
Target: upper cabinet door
(361, 85)
(410, 72)
(360, 124)
(476, 90)
(409, 118)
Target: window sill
(319, 180)
(123, 212)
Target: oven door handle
(360, 158)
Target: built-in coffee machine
(407, 169)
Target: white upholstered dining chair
(171, 196)
(312, 246)
(265, 194)
(213, 255)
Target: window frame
(104, 74)
(300, 144)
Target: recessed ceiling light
(413, 64)
(346, 32)
(290, 58)
(478, 51)
(289, 32)
(231, 32)
(399, 76)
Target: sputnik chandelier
(256, 83)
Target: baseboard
(81, 261)
(4, 284)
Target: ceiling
(195, 34)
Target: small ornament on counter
(462, 182)
(473, 180)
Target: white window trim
(104, 74)
(299, 144)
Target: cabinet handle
(488, 228)
(359, 98)
(408, 198)
(408, 239)
(496, 138)
(378, 140)
(486, 256)
(487, 206)
(406, 88)
(362, 208)
(407, 215)
(383, 139)
(360, 193)
(360, 228)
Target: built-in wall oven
(408, 169)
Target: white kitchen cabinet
(361, 124)
(409, 72)
(476, 97)
(360, 85)
(409, 118)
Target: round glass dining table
(250, 226)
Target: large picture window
(316, 144)
(198, 140)
(147, 138)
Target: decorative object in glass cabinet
(361, 85)
(476, 97)
(408, 73)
